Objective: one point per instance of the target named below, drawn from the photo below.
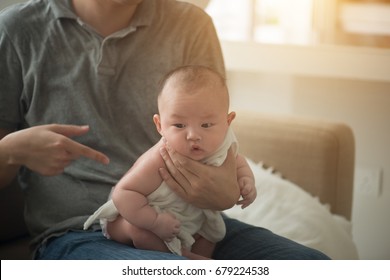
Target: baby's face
(193, 124)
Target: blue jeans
(242, 241)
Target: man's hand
(48, 149)
(204, 186)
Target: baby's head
(193, 106)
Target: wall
(364, 105)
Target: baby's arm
(246, 181)
(130, 197)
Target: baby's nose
(193, 135)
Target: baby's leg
(201, 249)
(122, 231)
(192, 256)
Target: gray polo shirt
(56, 69)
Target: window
(266, 21)
(302, 22)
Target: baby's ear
(231, 117)
(157, 122)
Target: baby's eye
(207, 125)
(179, 125)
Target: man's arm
(7, 172)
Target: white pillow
(289, 211)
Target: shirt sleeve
(206, 48)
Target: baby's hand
(166, 226)
(247, 190)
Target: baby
(194, 120)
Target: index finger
(77, 150)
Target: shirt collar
(143, 15)
(62, 9)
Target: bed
(304, 171)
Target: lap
(87, 245)
(245, 242)
(242, 241)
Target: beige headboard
(317, 155)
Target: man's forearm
(8, 171)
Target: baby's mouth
(195, 148)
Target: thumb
(69, 130)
